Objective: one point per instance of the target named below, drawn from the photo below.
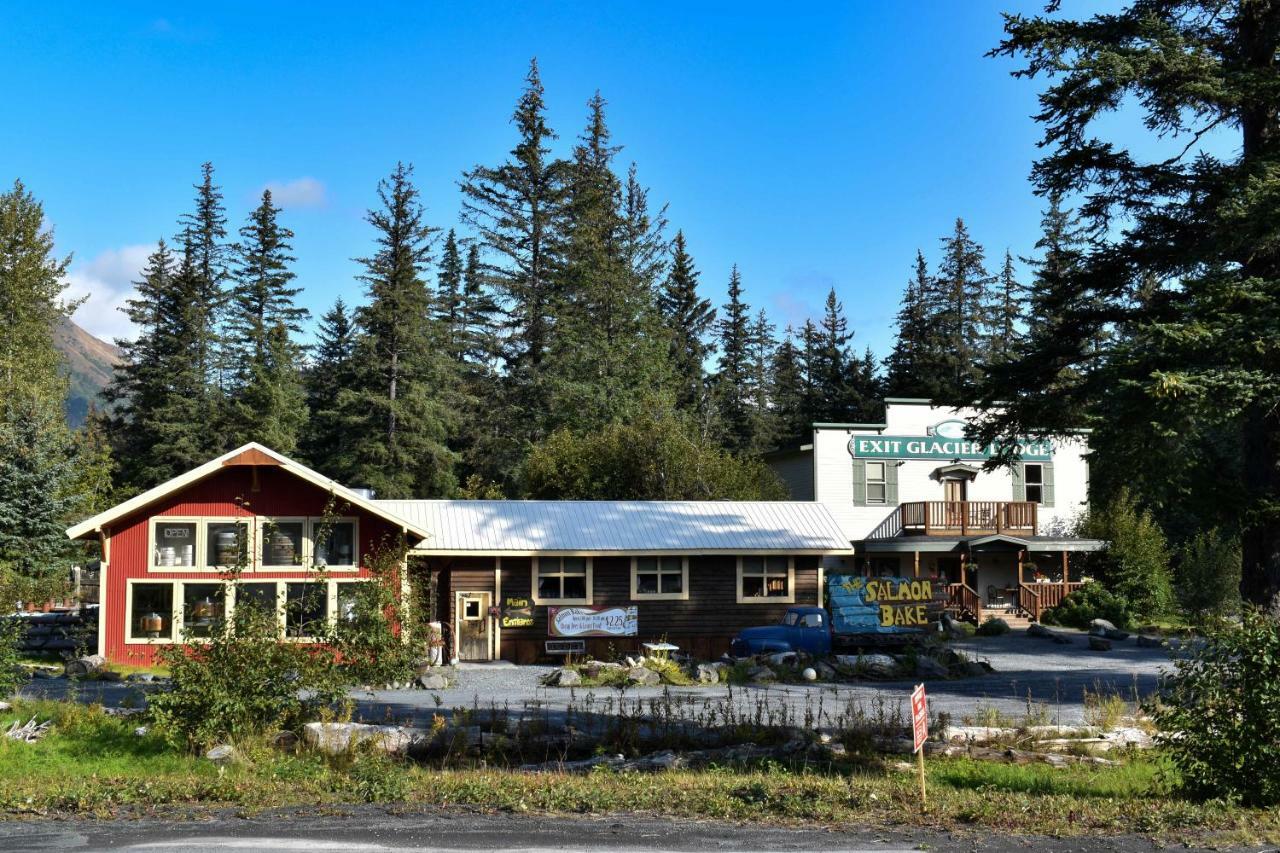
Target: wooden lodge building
(509, 577)
(911, 496)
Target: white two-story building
(913, 498)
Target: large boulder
(1099, 644)
(871, 666)
(927, 667)
(222, 754)
(706, 673)
(761, 675)
(337, 738)
(1145, 642)
(433, 681)
(642, 676)
(826, 672)
(562, 677)
(1100, 626)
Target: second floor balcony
(959, 518)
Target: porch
(1000, 593)
(959, 518)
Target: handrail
(1029, 596)
(890, 527)
(967, 517)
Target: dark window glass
(152, 614)
(282, 543)
(226, 544)
(304, 613)
(347, 601)
(1034, 478)
(175, 543)
(335, 543)
(203, 608)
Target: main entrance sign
(938, 447)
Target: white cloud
(107, 281)
(300, 192)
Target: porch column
(963, 562)
(1021, 556)
(1066, 577)
(915, 558)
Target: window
(306, 609)
(877, 483)
(203, 609)
(151, 611)
(334, 543)
(660, 578)
(173, 543)
(882, 567)
(471, 609)
(561, 580)
(766, 579)
(345, 601)
(282, 543)
(226, 544)
(1033, 475)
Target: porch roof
(519, 528)
(960, 544)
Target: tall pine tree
(327, 437)
(448, 303)
(733, 381)
(688, 319)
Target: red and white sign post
(920, 727)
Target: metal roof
(602, 527)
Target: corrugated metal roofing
(496, 527)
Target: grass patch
(94, 764)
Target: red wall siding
(227, 493)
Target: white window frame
(882, 481)
(683, 595)
(282, 599)
(197, 558)
(267, 521)
(180, 596)
(333, 595)
(175, 614)
(537, 600)
(1027, 484)
(250, 531)
(789, 598)
(310, 531)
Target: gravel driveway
(1027, 669)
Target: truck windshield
(806, 620)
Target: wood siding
(703, 625)
(228, 493)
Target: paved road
(372, 829)
(1051, 677)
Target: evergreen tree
(400, 425)
(917, 365)
(1007, 313)
(733, 383)
(448, 303)
(609, 356)
(959, 300)
(811, 394)
(1164, 329)
(829, 365)
(479, 325)
(266, 394)
(37, 474)
(764, 429)
(688, 318)
(865, 389)
(204, 272)
(787, 387)
(517, 209)
(332, 369)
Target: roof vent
(364, 492)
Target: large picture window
(766, 578)
(561, 580)
(660, 577)
(334, 542)
(173, 543)
(151, 612)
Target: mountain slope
(89, 362)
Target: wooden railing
(1035, 598)
(963, 518)
(962, 599)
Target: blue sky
(815, 146)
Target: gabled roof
(522, 528)
(249, 454)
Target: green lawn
(95, 764)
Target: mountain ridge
(90, 364)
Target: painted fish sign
(862, 605)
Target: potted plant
(435, 643)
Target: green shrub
(11, 677)
(1218, 713)
(993, 627)
(1087, 603)
(1135, 562)
(1209, 575)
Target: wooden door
(473, 626)
(954, 492)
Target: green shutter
(891, 482)
(1019, 482)
(1047, 469)
(859, 482)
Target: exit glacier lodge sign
(947, 442)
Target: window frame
(180, 602)
(1027, 485)
(197, 559)
(175, 615)
(309, 536)
(538, 600)
(789, 598)
(282, 597)
(882, 481)
(260, 563)
(683, 595)
(250, 530)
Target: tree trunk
(81, 667)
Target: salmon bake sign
(592, 621)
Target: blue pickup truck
(864, 612)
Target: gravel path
(1027, 670)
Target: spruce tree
(829, 364)
(327, 439)
(517, 208)
(448, 302)
(733, 381)
(265, 395)
(959, 301)
(787, 383)
(204, 273)
(479, 324)
(688, 318)
(1007, 313)
(764, 429)
(400, 446)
